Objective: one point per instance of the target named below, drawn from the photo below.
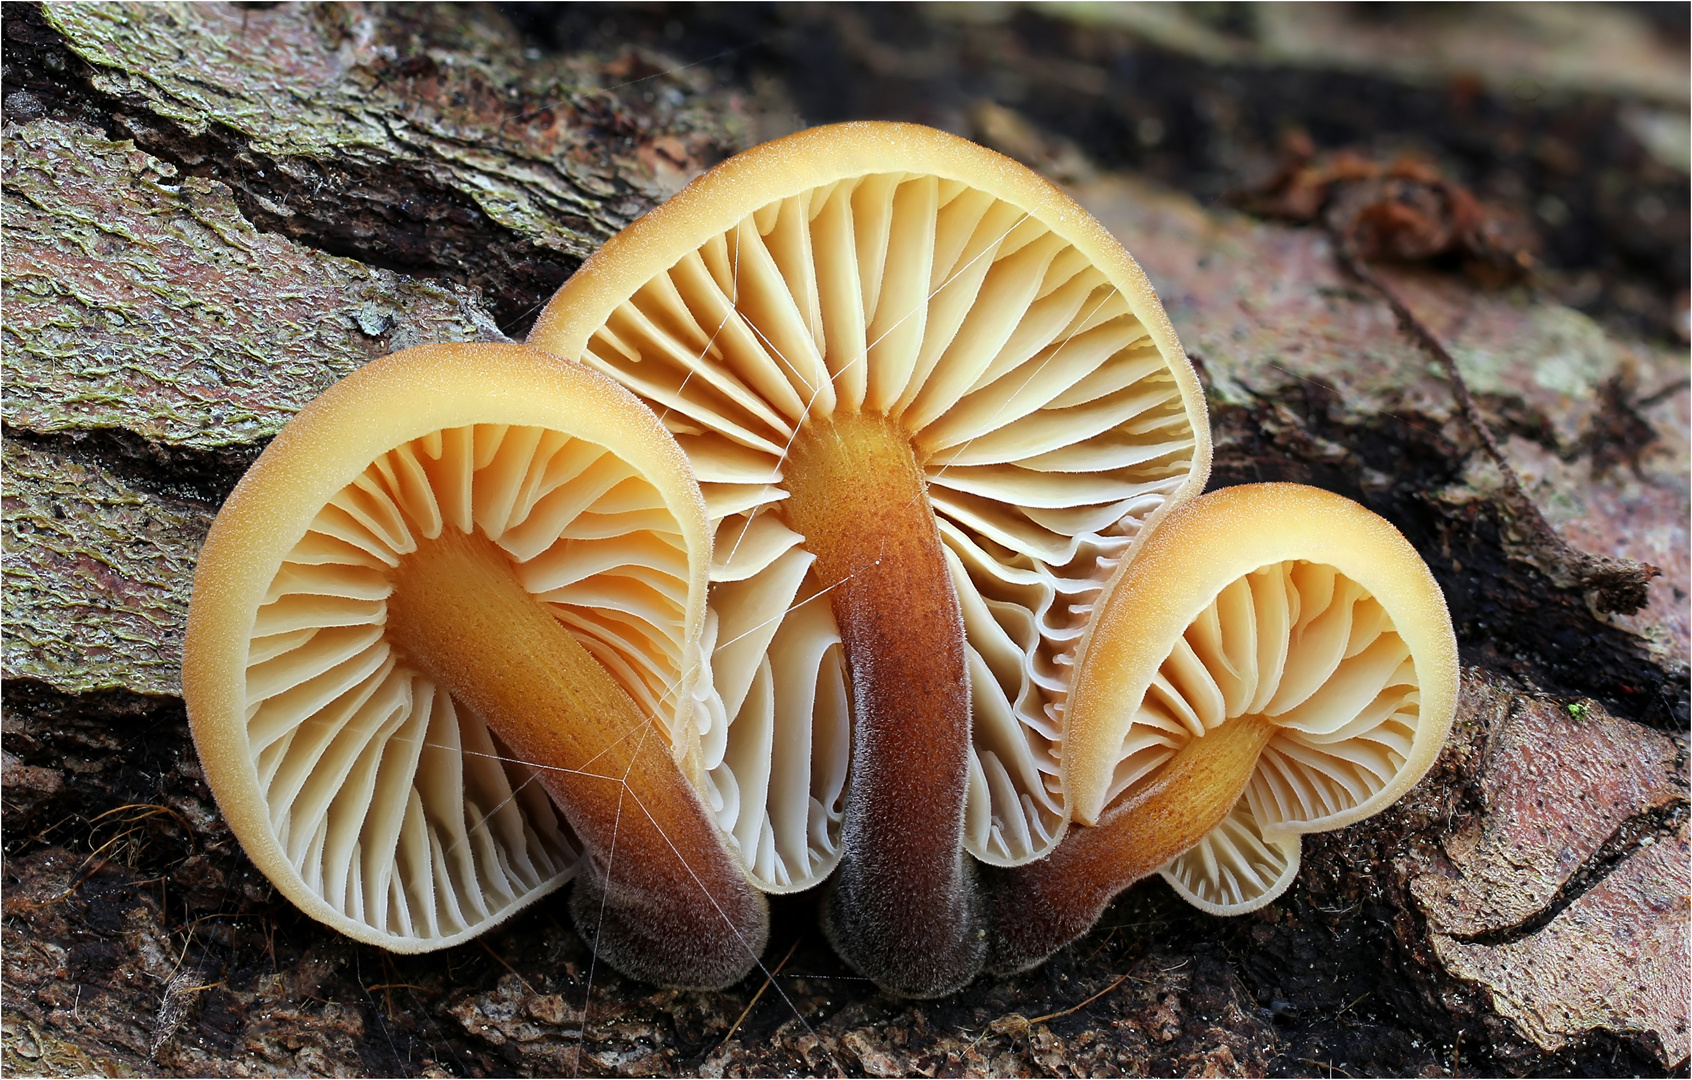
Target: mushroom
(463, 579)
(932, 404)
(1275, 660)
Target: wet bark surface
(213, 212)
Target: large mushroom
(463, 579)
(1276, 660)
(932, 404)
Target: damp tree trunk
(213, 212)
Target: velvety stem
(1043, 906)
(903, 907)
(459, 614)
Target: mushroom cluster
(913, 376)
(838, 523)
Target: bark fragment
(142, 299)
(1614, 960)
(1567, 897)
(407, 137)
(1558, 782)
(97, 575)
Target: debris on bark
(1403, 210)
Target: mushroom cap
(354, 783)
(1281, 601)
(892, 268)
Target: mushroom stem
(676, 910)
(903, 909)
(1043, 906)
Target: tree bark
(213, 212)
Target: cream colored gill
(1278, 601)
(373, 800)
(1234, 869)
(895, 269)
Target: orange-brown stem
(459, 614)
(1043, 906)
(903, 908)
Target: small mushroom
(1276, 660)
(932, 404)
(463, 579)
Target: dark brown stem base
(903, 908)
(658, 892)
(1041, 907)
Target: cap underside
(1315, 653)
(397, 810)
(1047, 418)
